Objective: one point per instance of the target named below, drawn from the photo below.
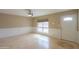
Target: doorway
(69, 27)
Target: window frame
(43, 27)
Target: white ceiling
(36, 12)
(40, 12)
(20, 12)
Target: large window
(42, 26)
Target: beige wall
(54, 22)
(14, 21)
(78, 25)
(12, 25)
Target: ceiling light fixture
(29, 12)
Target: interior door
(69, 27)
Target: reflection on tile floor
(43, 41)
(35, 41)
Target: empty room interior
(39, 28)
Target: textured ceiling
(36, 12)
(41, 12)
